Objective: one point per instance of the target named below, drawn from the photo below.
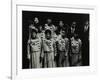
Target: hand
(80, 57)
(66, 54)
(28, 56)
(55, 55)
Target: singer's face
(36, 20)
(49, 21)
(61, 23)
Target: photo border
(14, 73)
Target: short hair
(48, 31)
(34, 30)
(73, 23)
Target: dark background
(28, 17)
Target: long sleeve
(55, 48)
(28, 49)
(67, 46)
(80, 51)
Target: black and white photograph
(55, 39)
(52, 40)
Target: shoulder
(79, 40)
(28, 41)
(53, 25)
(46, 24)
(59, 37)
